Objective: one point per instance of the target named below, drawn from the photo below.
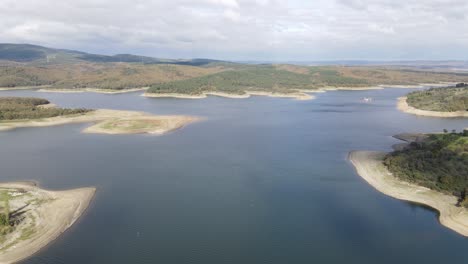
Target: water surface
(261, 180)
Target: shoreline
(297, 95)
(369, 166)
(92, 90)
(403, 106)
(24, 88)
(51, 218)
(300, 94)
(110, 122)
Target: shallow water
(261, 180)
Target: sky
(270, 30)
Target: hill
(29, 53)
(31, 65)
(98, 75)
(290, 78)
(34, 54)
(449, 99)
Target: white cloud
(244, 29)
(381, 29)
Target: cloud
(381, 29)
(244, 29)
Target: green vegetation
(27, 232)
(5, 226)
(447, 99)
(30, 65)
(19, 76)
(267, 78)
(131, 125)
(439, 162)
(5, 212)
(102, 76)
(289, 78)
(17, 108)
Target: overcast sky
(244, 29)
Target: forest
(204, 76)
(439, 162)
(448, 99)
(271, 78)
(237, 81)
(18, 108)
(286, 78)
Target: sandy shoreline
(23, 88)
(402, 105)
(300, 94)
(247, 94)
(92, 90)
(369, 166)
(111, 122)
(48, 219)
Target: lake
(260, 180)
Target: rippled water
(261, 180)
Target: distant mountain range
(419, 64)
(27, 53)
(39, 55)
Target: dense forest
(102, 76)
(17, 108)
(439, 162)
(447, 99)
(283, 78)
(237, 81)
(290, 78)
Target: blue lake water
(260, 180)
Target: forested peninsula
(431, 169)
(438, 102)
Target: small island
(431, 169)
(18, 112)
(31, 218)
(437, 102)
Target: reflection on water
(418, 206)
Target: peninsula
(438, 181)
(18, 112)
(31, 217)
(437, 102)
